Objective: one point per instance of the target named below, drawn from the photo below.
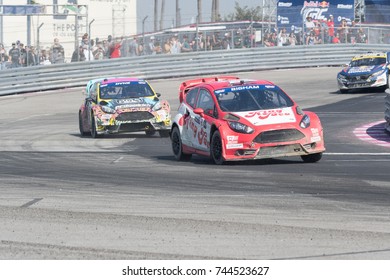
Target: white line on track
(117, 160)
(357, 154)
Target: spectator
(343, 31)
(175, 45)
(167, 46)
(309, 24)
(361, 37)
(133, 47)
(31, 58)
(57, 53)
(330, 24)
(282, 38)
(185, 46)
(3, 57)
(98, 53)
(292, 39)
(150, 48)
(216, 42)
(310, 40)
(78, 55)
(116, 52)
(15, 56)
(336, 39)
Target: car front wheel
(216, 148)
(177, 146)
(94, 133)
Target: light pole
(143, 29)
(38, 44)
(1, 24)
(89, 39)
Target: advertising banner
(292, 14)
(377, 11)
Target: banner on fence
(292, 14)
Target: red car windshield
(120, 90)
(252, 98)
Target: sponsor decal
(342, 6)
(361, 69)
(315, 139)
(245, 87)
(283, 20)
(273, 116)
(284, 4)
(234, 146)
(232, 138)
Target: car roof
(235, 83)
(117, 80)
(370, 55)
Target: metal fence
(56, 76)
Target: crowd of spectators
(313, 32)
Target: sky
(188, 11)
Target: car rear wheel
(81, 126)
(177, 146)
(216, 148)
(312, 158)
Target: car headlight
(305, 122)
(157, 106)
(107, 109)
(240, 127)
(376, 74)
(342, 77)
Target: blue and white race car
(370, 70)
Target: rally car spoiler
(187, 85)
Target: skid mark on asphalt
(374, 133)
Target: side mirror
(158, 94)
(199, 111)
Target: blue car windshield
(251, 98)
(125, 90)
(372, 61)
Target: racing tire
(163, 133)
(343, 91)
(150, 132)
(94, 133)
(312, 158)
(81, 126)
(216, 148)
(177, 146)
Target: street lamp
(89, 39)
(143, 29)
(38, 30)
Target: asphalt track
(125, 197)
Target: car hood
(271, 116)
(361, 70)
(131, 103)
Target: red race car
(230, 119)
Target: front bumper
(278, 143)
(360, 82)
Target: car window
(371, 61)
(191, 97)
(122, 90)
(251, 98)
(205, 101)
